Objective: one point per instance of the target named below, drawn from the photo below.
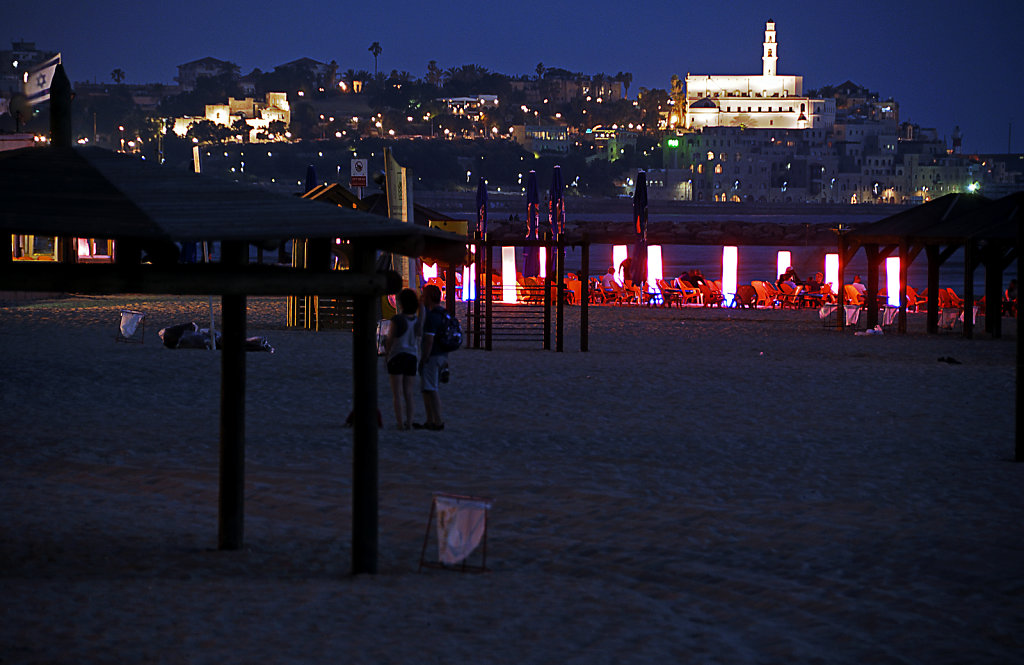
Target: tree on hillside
(626, 78)
(241, 128)
(375, 49)
(434, 74)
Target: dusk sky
(946, 63)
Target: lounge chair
(711, 294)
(852, 295)
(690, 294)
(790, 296)
(669, 294)
(764, 298)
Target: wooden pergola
(905, 234)
(146, 209)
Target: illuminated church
(765, 101)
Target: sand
(703, 486)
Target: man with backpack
(437, 342)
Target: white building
(765, 101)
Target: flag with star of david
(37, 80)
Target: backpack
(449, 337)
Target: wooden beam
(231, 502)
(872, 286)
(932, 323)
(585, 297)
(969, 263)
(560, 293)
(193, 279)
(364, 421)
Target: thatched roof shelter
(146, 209)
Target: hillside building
(769, 100)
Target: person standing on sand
(402, 349)
(432, 358)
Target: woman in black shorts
(402, 350)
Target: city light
(730, 265)
(784, 261)
(508, 274)
(892, 280)
(832, 272)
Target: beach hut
(902, 234)
(986, 230)
(90, 192)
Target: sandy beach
(703, 486)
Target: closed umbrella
(311, 182)
(556, 203)
(531, 255)
(481, 207)
(639, 264)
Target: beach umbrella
(531, 255)
(311, 182)
(638, 268)
(556, 203)
(481, 207)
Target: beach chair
(852, 295)
(132, 328)
(764, 298)
(827, 294)
(746, 296)
(629, 294)
(711, 294)
(790, 296)
(689, 293)
(670, 295)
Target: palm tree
(117, 75)
(375, 49)
(626, 78)
(434, 74)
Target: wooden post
(449, 287)
(1019, 434)
(364, 420)
(488, 290)
(994, 290)
(477, 263)
(968, 329)
(60, 137)
(231, 507)
(932, 252)
(547, 291)
(904, 276)
(585, 296)
(560, 293)
(840, 291)
(872, 285)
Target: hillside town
(705, 138)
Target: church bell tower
(771, 49)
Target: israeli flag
(37, 81)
